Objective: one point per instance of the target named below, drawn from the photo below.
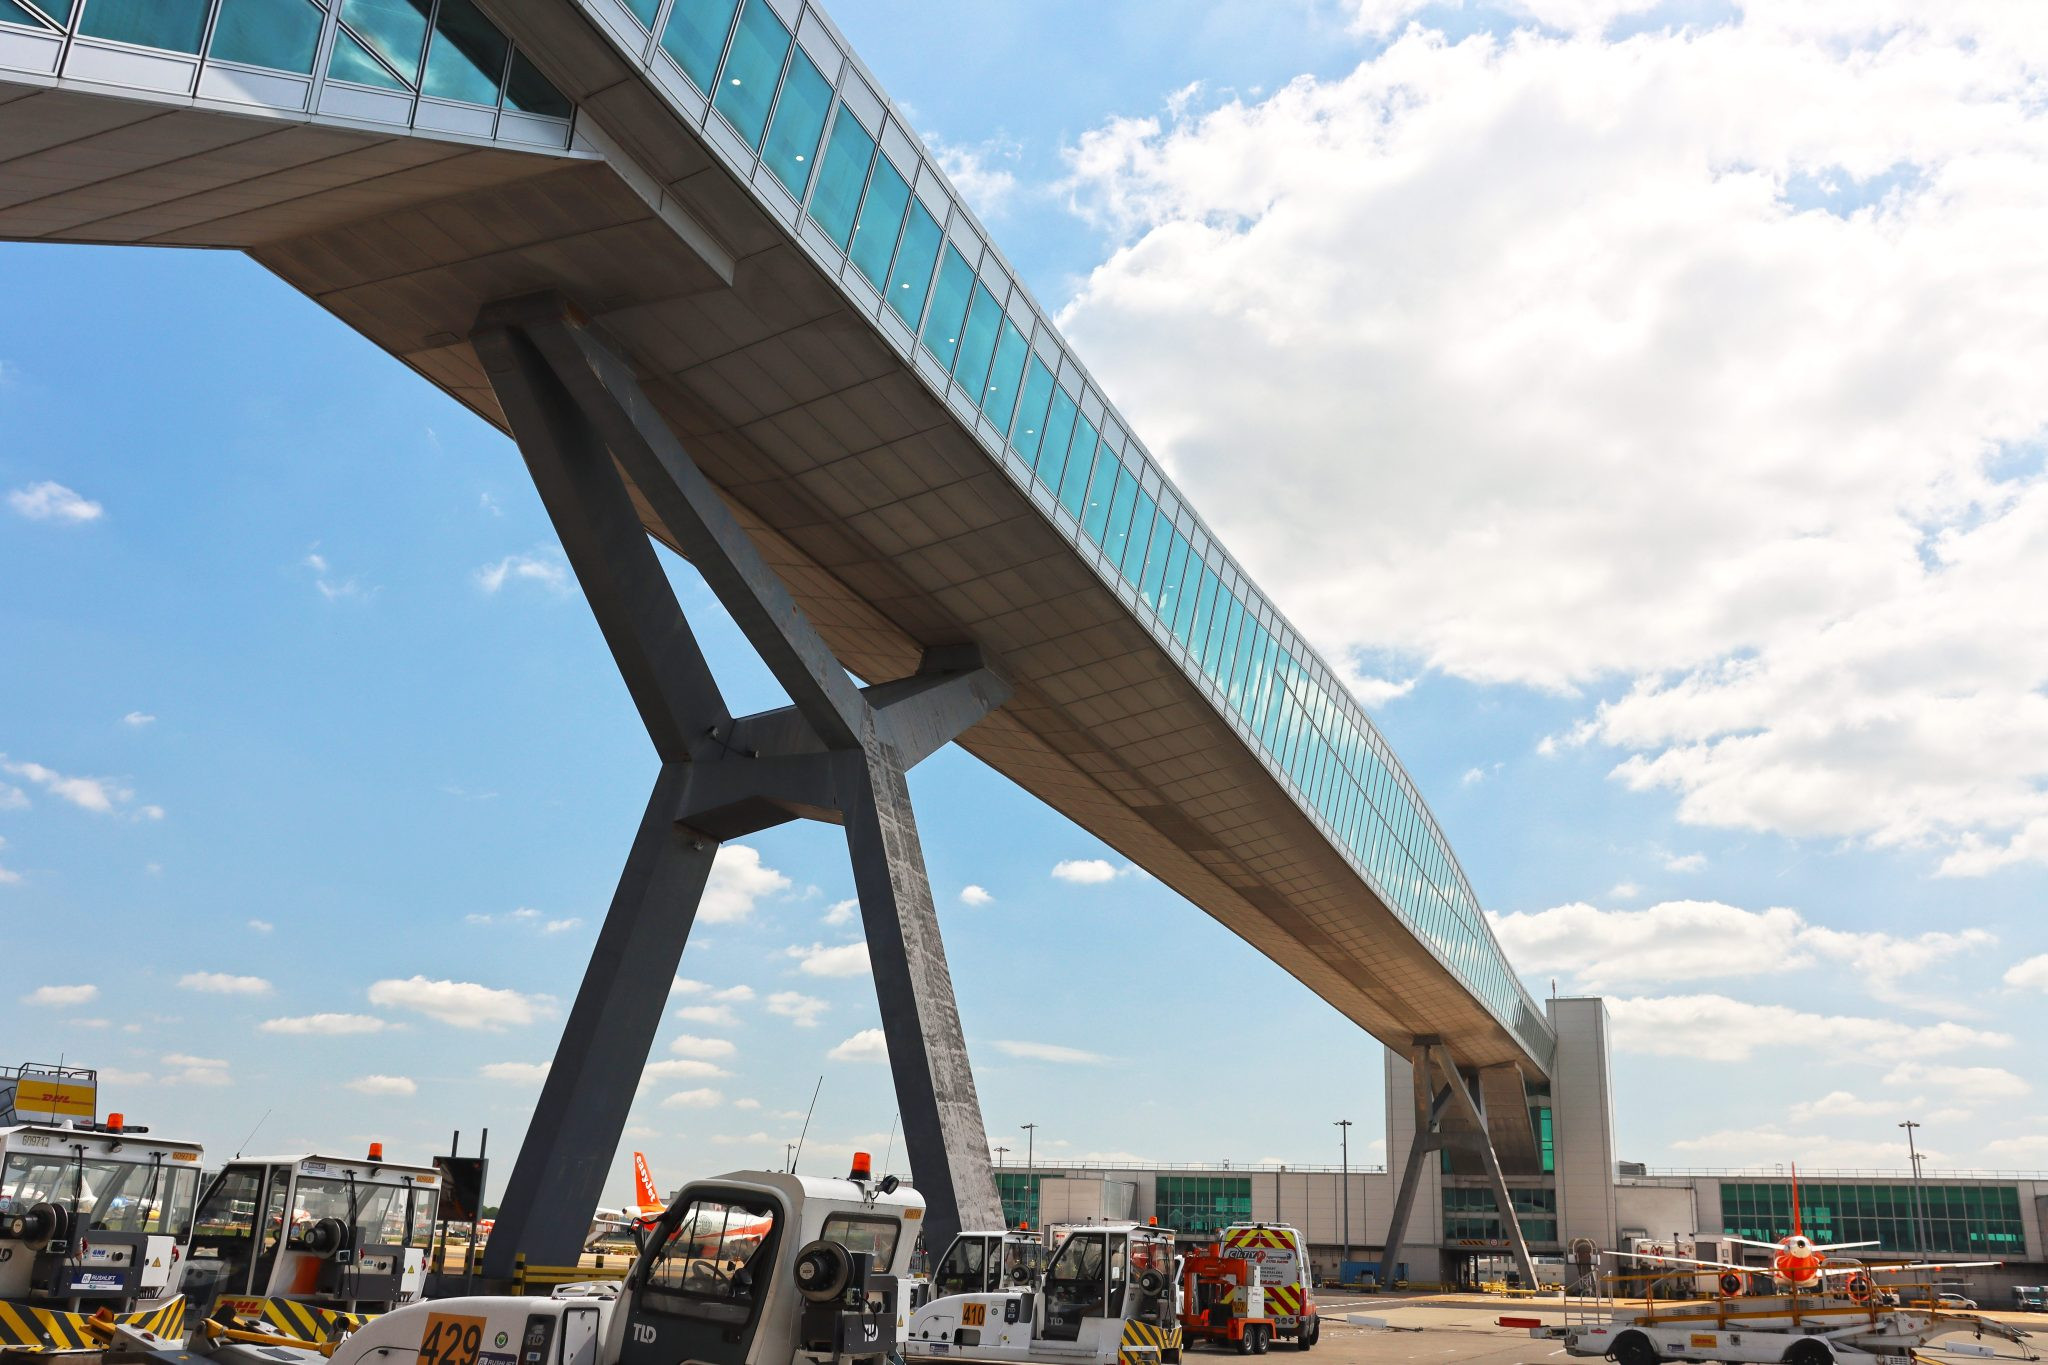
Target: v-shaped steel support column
(838, 753)
(1447, 1117)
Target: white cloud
(1979, 1082)
(718, 1016)
(1556, 280)
(261, 926)
(546, 568)
(866, 1046)
(103, 795)
(1840, 1103)
(325, 1025)
(138, 719)
(1689, 862)
(680, 1068)
(383, 1085)
(726, 994)
(1625, 891)
(2030, 974)
(524, 1073)
(1717, 1029)
(978, 171)
(842, 912)
(47, 501)
(975, 895)
(739, 880)
(845, 959)
(332, 587)
(691, 1045)
(702, 1098)
(1741, 1146)
(800, 1009)
(12, 798)
(189, 1070)
(1084, 871)
(61, 997)
(1049, 1052)
(557, 926)
(2029, 1147)
(463, 1004)
(221, 983)
(1701, 940)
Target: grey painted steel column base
(838, 753)
(1437, 1131)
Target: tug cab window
(1079, 1272)
(715, 1264)
(110, 1196)
(965, 1269)
(876, 1236)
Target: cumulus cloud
(138, 719)
(102, 795)
(61, 997)
(185, 1069)
(975, 895)
(383, 1085)
(261, 926)
(739, 880)
(1717, 1029)
(325, 1025)
(1084, 871)
(1048, 1052)
(703, 1098)
(1735, 1146)
(1688, 862)
(1521, 302)
(222, 983)
(723, 994)
(842, 912)
(1700, 940)
(717, 1016)
(463, 1004)
(545, 568)
(48, 501)
(845, 959)
(681, 1068)
(2031, 974)
(332, 586)
(866, 1046)
(524, 1073)
(800, 1009)
(981, 171)
(1979, 1082)
(693, 1046)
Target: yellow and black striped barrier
(301, 1321)
(1145, 1344)
(545, 1279)
(28, 1330)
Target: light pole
(1030, 1142)
(1001, 1152)
(1344, 1148)
(1919, 1209)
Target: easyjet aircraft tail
(644, 1192)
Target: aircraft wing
(1931, 1265)
(1844, 1246)
(1762, 1246)
(1687, 1260)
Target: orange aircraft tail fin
(1796, 1231)
(644, 1192)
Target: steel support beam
(1436, 1131)
(838, 754)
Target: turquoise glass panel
(396, 30)
(999, 395)
(1101, 492)
(746, 85)
(916, 254)
(644, 11)
(1080, 460)
(466, 60)
(841, 178)
(280, 34)
(695, 36)
(1161, 567)
(881, 214)
(11, 13)
(791, 152)
(529, 92)
(1191, 623)
(1059, 432)
(978, 341)
(1028, 432)
(1127, 538)
(949, 306)
(354, 62)
(1173, 585)
(171, 25)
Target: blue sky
(1697, 597)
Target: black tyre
(1261, 1336)
(1809, 1353)
(1244, 1342)
(1634, 1348)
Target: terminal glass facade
(1470, 1214)
(1947, 1218)
(1202, 1205)
(1019, 1193)
(1015, 383)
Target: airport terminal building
(1455, 1233)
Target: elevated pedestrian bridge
(729, 201)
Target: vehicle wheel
(1809, 1353)
(1244, 1341)
(1635, 1349)
(1261, 1337)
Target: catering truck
(1281, 1254)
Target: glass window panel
(978, 340)
(949, 304)
(173, 25)
(1080, 461)
(353, 62)
(396, 30)
(529, 92)
(915, 257)
(1029, 431)
(280, 34)
(792, 147)
(842, 177)
(467, 58)
(746, 85)
(1128, 550)
(999, 395)
(1101, 491)
(695, 36)
(881, 214)
(1160, 567)
(1173, 566)
(1116, 531)
(1193, 626)
(1059, 434)
(11, 13)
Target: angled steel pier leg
(1481, 1144)
(838, 753)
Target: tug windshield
(714, 1262)
(110, 1196)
